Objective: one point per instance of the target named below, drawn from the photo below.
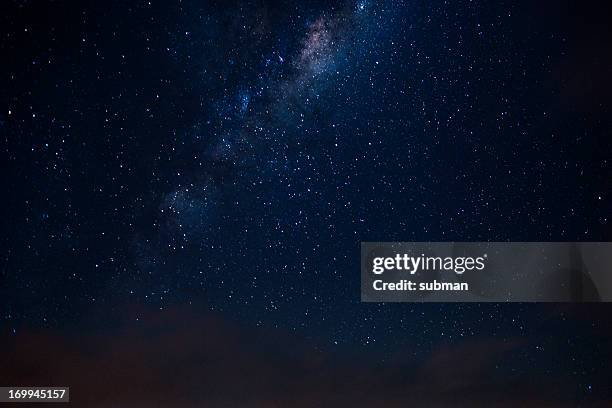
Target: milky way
(321, 53)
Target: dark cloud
(180, 358)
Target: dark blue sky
(229, 158)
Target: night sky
(186, 184)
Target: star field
(230, 157)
